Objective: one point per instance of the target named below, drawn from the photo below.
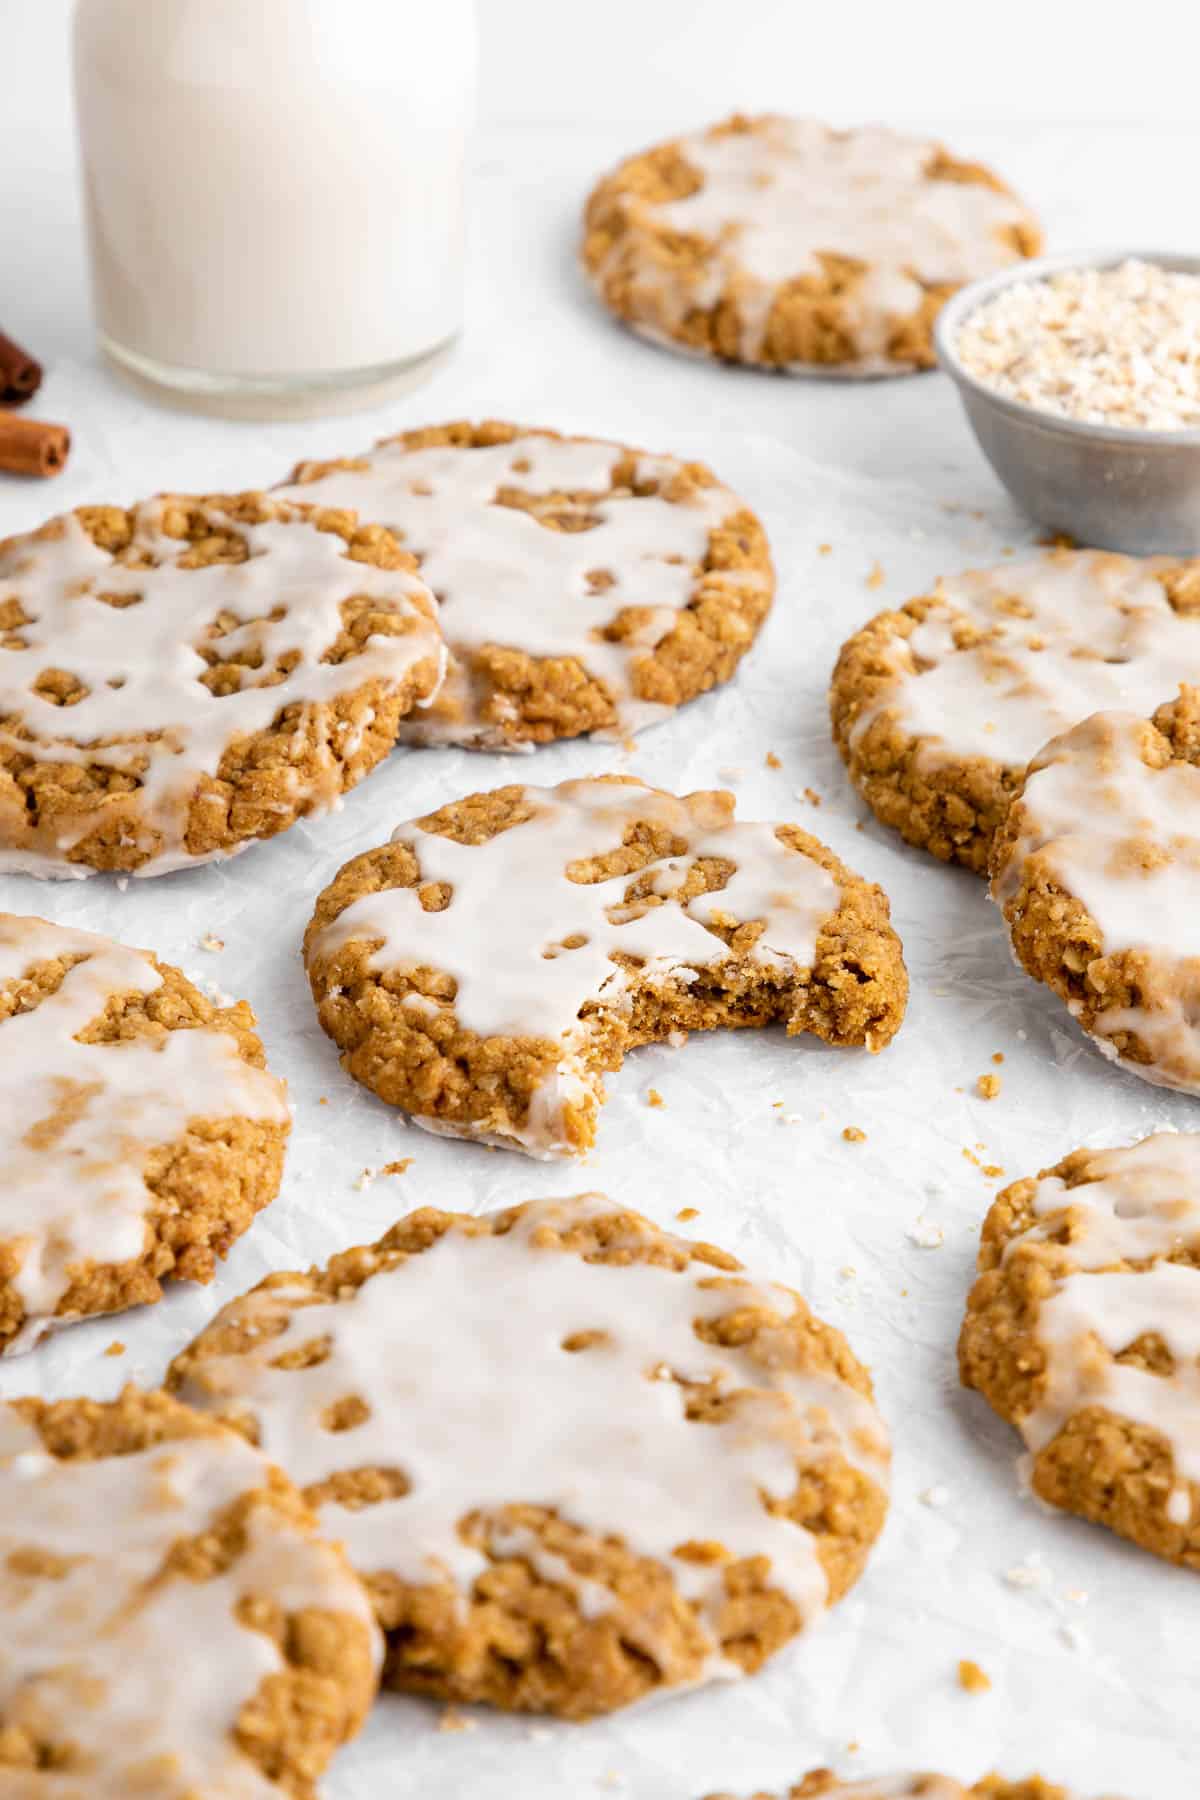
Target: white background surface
(1100, 1691)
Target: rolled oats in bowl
(1108, 346)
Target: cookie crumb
(210, 941)
(654, 1098)
(324, 1100)
(453, 1719)
(988, 1087)
(877, 577)
(972, 1679)
(854, 1134)
(824, 549)
(686, 1213)
(772, 760)
(398, 1167)
(116, 1348)
(997, 1056)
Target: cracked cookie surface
(576, 1458)
(181, 678)
(1097, 872)
(783, 243)
(485, 968)
(174, 1627)
(582, 586)
(1081, 1332)
(140, 1130)
(939, 707)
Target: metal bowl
(1105, 485)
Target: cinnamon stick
(32, 446)
(20, 373)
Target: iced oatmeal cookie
(174, 1628)
(488, 965)
(179, 679)
(786, 244)
(582, 585)
(823, 1784)
(576, 1459)
(939, 707)
(1097, 870)
(140, 1131)
(1081, 1330)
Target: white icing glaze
(141, 664)
(513, 907)
(1143, 1206)
(458, 1352)
(1057, 636)
(776, 199)
(1124, 839)
(503, 579)
(77, 1120)
(144, 1674)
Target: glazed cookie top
(532, 920)
(127, 1533)
(551, 1355)
(83, 1102)
(995, 662)
(777, 200)
(138, 649)
(1110, 816)
(579, 555)
(1115, 1235)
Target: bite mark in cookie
(1082, 1331)
(783, 243)
(484, 968)
(173, 1626)
(1097, 870)
(939, 707)
(582, 585)
(140, 1131)
(577, 1459)
(182, 678)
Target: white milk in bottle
(274, 192)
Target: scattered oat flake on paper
(453, 1720)
(398, 1167)
(925, 1234)
(877, 577)
(972, 1679)
(210, 941)
(363, 1181)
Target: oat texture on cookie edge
(577, 1459)
(485, 968)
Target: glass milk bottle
(274, 194)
